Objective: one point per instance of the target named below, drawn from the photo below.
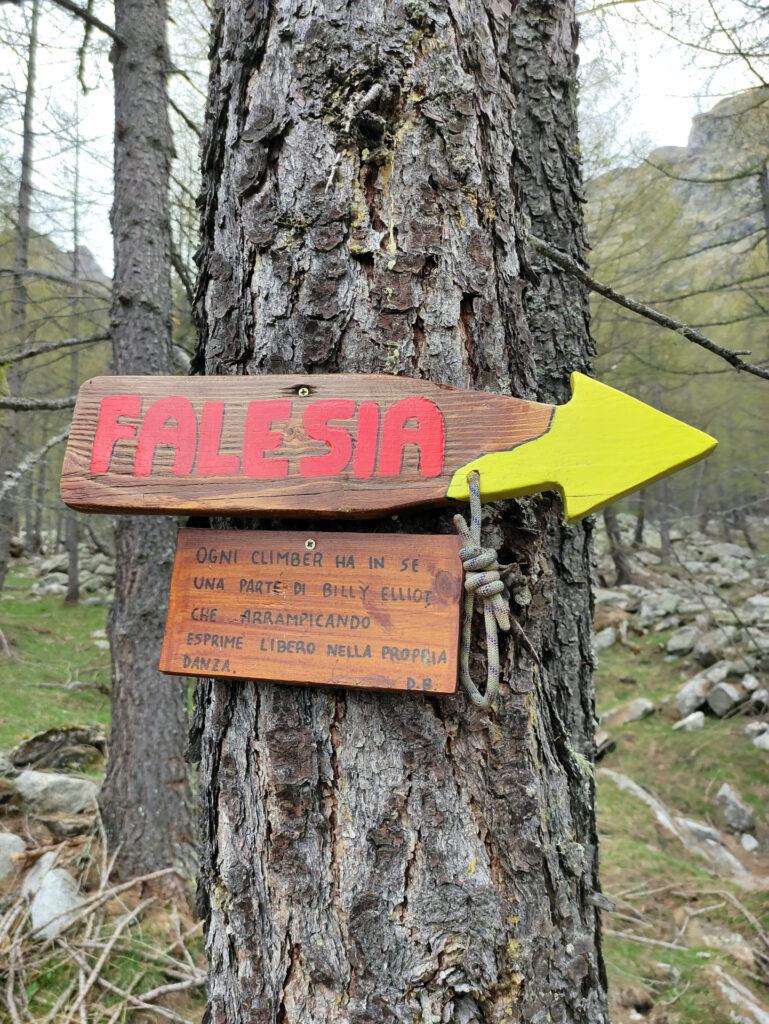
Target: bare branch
(48, 275)
(181, 272)
(49, 346)
(15, 476)
(753, 172)
(185, 117)
(565, 262)
(34, 404)
(90, 19)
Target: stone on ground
(736, 815)
(749, 843)
(692, 722)
(48, 792)
(632, 712)
(55, 904)
(725, 697)
(9, 845)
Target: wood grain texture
(474, 423)
(335, 609)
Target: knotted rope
(481, 580)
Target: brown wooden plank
(212, 454)
(370, 611)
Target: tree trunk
(145, 799)
(622, 568)
(8, 456)
(640, 522)
(36, 539)
(373, 858)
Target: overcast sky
(664, 89)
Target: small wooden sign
(369, 611)
(354, 445)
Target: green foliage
(697, 250)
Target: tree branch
(49, 346)
(753, 172)
(88, 18)
(14, 477)
(185, 117)
(34, 404)
(184, 277)
(565, 262)
(49, 275)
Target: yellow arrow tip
(601, 445)
(626, 444)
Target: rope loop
(482, 580)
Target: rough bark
(145, 799)
(367, 171)
(8, 456)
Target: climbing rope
(482, 580)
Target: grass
(51, 644)
(684, 770)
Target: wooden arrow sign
(355, 445)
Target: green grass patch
(51, 644)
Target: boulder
(613, 598)
(759, 700)
(55, 563)
(692, 722)
(34, 877)
(658, 605)
(699, 830)
(604, 744)
(683, 640)
(756, 728)
(632, 712)
(725, 551)
(750, 682)
(749, 843)
(735, 813)
(761, 741)
(759, 606)
(693, 694)
(724, 698)
(55, 904)
(44, 750)
(9, 845)
(604, 639)
(47, 792)
(710, 645)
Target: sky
(658, 87)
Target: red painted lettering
(259, 439)
(364, 459)
(427, 434)
(156, 432)
(316, 426)
(211, 462)
(109, 430)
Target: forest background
(674, 122)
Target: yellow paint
(601, 445)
